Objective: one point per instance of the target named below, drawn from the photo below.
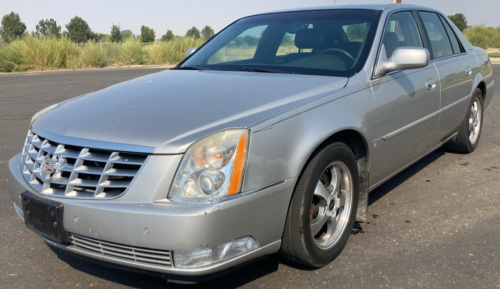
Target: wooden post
(396, 1)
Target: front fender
(281, 150)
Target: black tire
(463, 143)
(298, 244)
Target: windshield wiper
(266, 70)
(189, 68)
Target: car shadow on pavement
(238, 277)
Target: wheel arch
(480, 83)
(353, 139)
(482, 87)
(358, 144)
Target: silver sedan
(266, 139)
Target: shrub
(170, 52)
(31, 53)
(94, 55)
(35, 53)
(130, 53)
(483, 36)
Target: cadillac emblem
(50, 166)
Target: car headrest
(391, 42)
(309, 38)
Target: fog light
(236, 248)
(226, 251)
(193, 259)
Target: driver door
(407, 104)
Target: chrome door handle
(431, 84)
(468, 71)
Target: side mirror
(191, 51)
(402, 58)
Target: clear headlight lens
(212, 168)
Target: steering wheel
(339, 50)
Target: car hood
(169, 110)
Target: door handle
(431, 84)
(468, 71)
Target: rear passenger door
(407, 104)
(454, 66)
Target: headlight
(212, 168)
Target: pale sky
(179, 16)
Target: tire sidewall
(472, 146)
(334, 152)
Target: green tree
(459, 20)
(48, 28)
(167, 36)
(193, 33)
(116, 36)
(207, 33)
(11, 27)
(78, 30)
(126, 34)
(147, 34)
(101, 37)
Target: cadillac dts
(266, 139)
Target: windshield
(323, 42)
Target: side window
(242, 47)
(453, 38)
(401, 31)
(440, 43)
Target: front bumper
(170, 226)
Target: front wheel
(323, 207)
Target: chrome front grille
(81, 173)
(122, 252)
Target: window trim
(425, 42)
(356, 70)
(421, 22)
(445, 23)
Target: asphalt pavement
(435, 225)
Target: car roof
(380, 7)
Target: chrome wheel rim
(331, 205)
(475, 121)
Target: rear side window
(453, 37)
(440, 43)
(401, 31)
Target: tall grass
(482, 36)
(32, 53)
(173, 51)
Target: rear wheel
(470, 130)
(323, 207)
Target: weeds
(483, 36)
(32, 53)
